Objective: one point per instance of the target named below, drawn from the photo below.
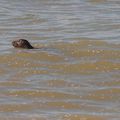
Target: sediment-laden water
(75, 72)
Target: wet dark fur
(22, 43)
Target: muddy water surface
(75, 72)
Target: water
(75, 73)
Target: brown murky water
(75, 73)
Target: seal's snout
(14, 43)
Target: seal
(22, 43)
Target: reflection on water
(74, 73)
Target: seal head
(22, 43)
